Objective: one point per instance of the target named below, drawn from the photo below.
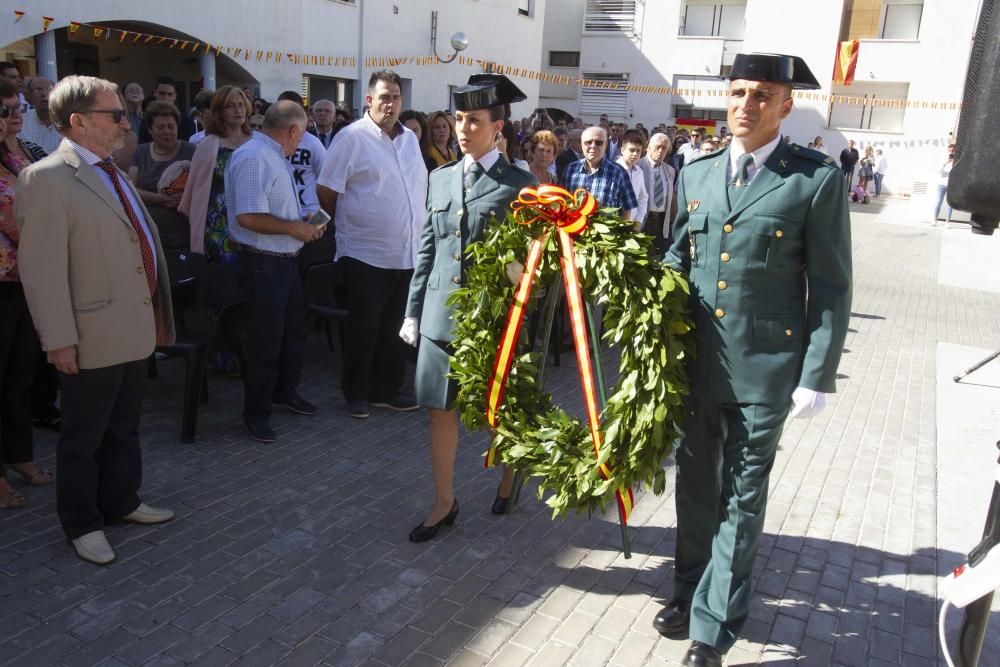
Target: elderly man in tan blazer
(96, 282)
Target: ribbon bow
(569, 214)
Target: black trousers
(18, 353)
(374, 356)
(275, 330)
(654, 227)
(98, 455)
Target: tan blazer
(81, 265)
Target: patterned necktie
(741, 178)
(471, 178)
(147, 250)
(659, 192)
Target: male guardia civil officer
(763, 233)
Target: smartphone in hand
(320, 218)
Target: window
(688, 111)
(564, 58)
(524, 7)
(605, 94)
(869, 106)
(713, 19)
(881, 19)
(610, 16)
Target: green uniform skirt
(433, 388)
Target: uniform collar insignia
(782, 164)
(693, 205)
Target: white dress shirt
(639, 188)
(381, 184)
(760, 156)
(486, 162)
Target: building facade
(910, 72)
(350, 39)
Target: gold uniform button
(779, 233)
(458, 232)
(723, 284)
(456, 280)
(720, 313)
(139, 269)
(727, 228)
(147, 301)
(460, 212)
(788, 332)
(135, 239)
(724, 257)
(493, 213)
(457, 257)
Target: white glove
(410, 331)
(807, 403)
(514, 272)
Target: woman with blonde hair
(204, 200)
(441, 146)
(543, 153)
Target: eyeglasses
(594, 142)
(116, 114)
(256, 126)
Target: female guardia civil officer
(462, 199)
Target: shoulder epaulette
(811, 154)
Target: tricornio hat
(774, 67)
(486, 90)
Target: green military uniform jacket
(770, 275)
(455, 219)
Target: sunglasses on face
(594, 142)
(116, 114)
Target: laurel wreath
(645, 317)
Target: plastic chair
(320, 285)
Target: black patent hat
(486, 90)
(774, 67)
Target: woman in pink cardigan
(204, 202)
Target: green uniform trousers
(723, 464)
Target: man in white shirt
(306, 163)
(38, 128)
(324, 113)
(374, 185)
(632, 144)
(660, 188)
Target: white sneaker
(149, 515)
(94, 547)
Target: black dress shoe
(423, 533)
(673, 619)
(702, 655)
(298, 405)
(358, 409)
(501, 505)
(399, 402)
(260, 429)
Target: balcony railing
(610, 17)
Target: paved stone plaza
(297, 553)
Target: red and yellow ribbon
(568, 213)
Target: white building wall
(495, 30)
(563, 26)
(934, 66)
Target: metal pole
(602, 394)
(972, 369)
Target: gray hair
(333, 107)
(596, 128)
(659, 137)
(283, 114)
(76, 94)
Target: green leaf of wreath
(645, 318)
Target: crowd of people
(399, 195)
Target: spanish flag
(846, 62)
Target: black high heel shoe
(423, 533)
(500, 504)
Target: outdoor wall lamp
(459, 41)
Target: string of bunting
(131, 37)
